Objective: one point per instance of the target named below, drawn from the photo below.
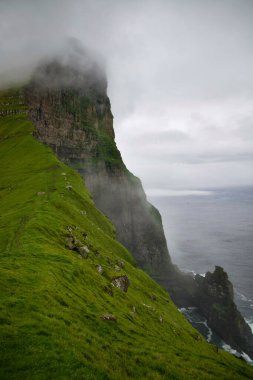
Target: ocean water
(213, 227)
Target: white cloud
(180, 79)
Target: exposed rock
(77, 243)
(69, 228)
(83, 250)
(215, 300)
(70, 243)
(100, 269)
(109, 317)
(121, 282)
(139, 227)
(40, 193)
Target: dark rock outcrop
(215, 299)
(71, 113)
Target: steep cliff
(215, 297)
(76, 121)
(71, 113)
(73, 303)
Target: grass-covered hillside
(59, 259)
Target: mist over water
(215, 229)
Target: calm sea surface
(215, 228)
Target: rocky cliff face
(216, 302)
(77, 123)
(72, 114)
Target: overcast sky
(180, 77)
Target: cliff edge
(72, 114)
(73, 303)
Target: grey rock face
(100, 269)
(75, 120)
(121, 282)
(138, 224)
(83, 250)
(215, 299)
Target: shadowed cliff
(72, 114)
(215, 297)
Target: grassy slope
(52, 300)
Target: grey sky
(180, 79)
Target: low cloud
(179, 78)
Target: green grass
(108, 152)
(52, 300)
